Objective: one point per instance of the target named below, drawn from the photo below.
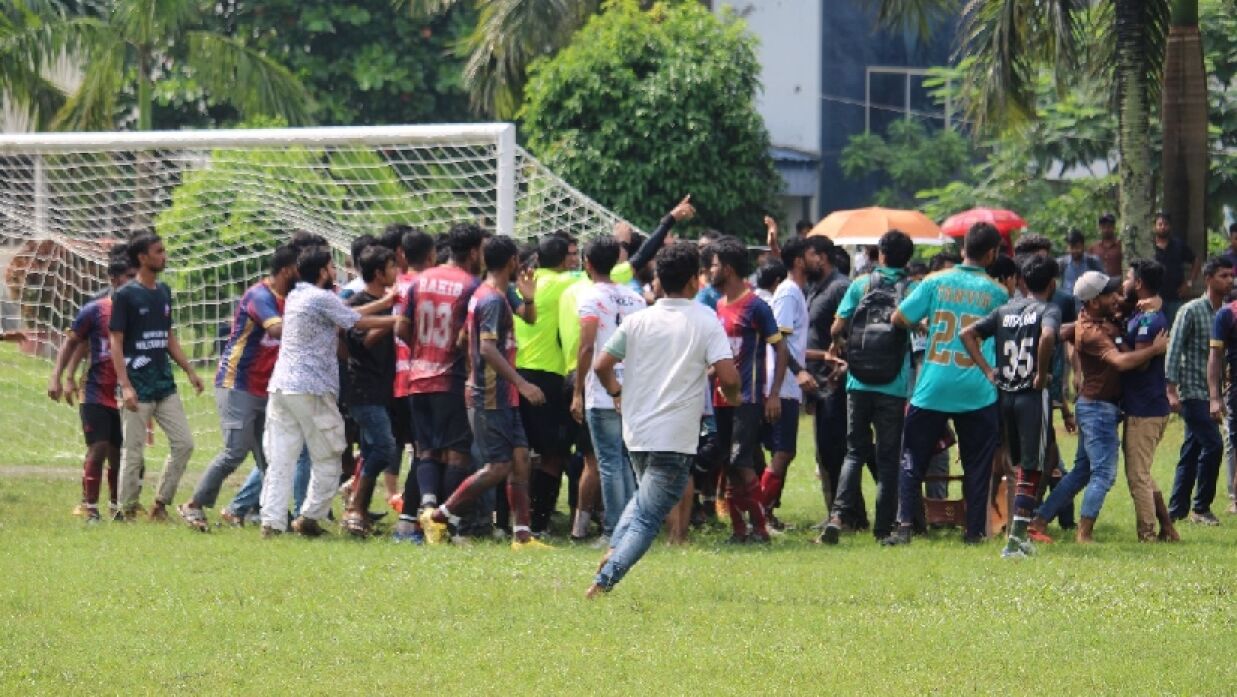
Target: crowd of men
(655, 374)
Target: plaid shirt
(1186, 363)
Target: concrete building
(829, 74)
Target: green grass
(157, 609)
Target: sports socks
(92, 479)
(771, 488)
(429, 477)
(517, 501)
(1024, 502)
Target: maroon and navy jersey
(490, 319)
(249, 355)
(750, 326)
(438, 308)
(91, 326)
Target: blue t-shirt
(1224, 336)
(1144, 391)
(846, 309)
(950, 301)
(708, 295)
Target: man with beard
(1181, 266)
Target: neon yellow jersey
(538, 343)
(622, 273)
(569, 322)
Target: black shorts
(784, 433)
(401, 421)
(498, 433)
(1025, 427)
(738, 433)
(101, 424)
(440, 422)
(549, 427)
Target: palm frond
(93, 105)
(246, 78)
(152, 22)
(917, 15)
(423, 9)
(509, 36)
(32, 47)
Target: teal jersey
(846, 309)
(949, 301)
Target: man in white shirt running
(661, 403)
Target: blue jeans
(662, 481)
(1095, 467)
(1201, 453)
(250, 494)
(378, 446)
(618, 481)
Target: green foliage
(366, 62)
(909, 158)
(645, 106)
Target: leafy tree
(645, 105)
(365, 62)
(131, 44)
(910, 159)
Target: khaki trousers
(1142, 436)
(169, 413)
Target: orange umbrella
(866, 225)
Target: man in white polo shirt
(660, 401)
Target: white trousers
(293, 422)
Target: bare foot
(593, 591)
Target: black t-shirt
(145, 316)
(823, 299)
(1018, 326)
(1175, 257)
(371, 369)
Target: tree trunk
(1184, 113)
(1134, 141)
(144, 90)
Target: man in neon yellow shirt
(540, 361)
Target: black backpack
(875, 348)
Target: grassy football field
(156, 609)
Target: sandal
(194, 517)
(356, 523)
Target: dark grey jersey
(1017, 327)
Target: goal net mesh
(221, 209)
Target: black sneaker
(774, 523)
(759, 539)
(974, 539)
(901, 536)
(736, 539)
(832, 531)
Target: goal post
(222, 200)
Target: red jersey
(91, 326)
(403, 352)
(438, 308)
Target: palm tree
(509, 36)
(1184, 112)
(119, 40)
(1008, 43)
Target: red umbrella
(1005, 221)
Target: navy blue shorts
(498, 433)
(440, 422)
(784, 433)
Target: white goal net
(222, 200)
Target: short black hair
(358, 245)
(119, 266)
(897, 247)
(120, 250)
(1150, 272)
(302, 239)
(794, 248)
(677, 264)
(285, 255)
(981, 239)
(393, 234)
(311, 261)
(729, 251)
(938, 260)
(551, 251)
(374, 260)
(840, 260)
(1108, 218)
(139, 245)
(528, 254)
(602, 253)
(711, 234)
(442, 248)
(916, 268)
(633, 245)
(417, 246)
(567, 237)
(823, 246)
(1214, 264)
(1163, 215)
(1038, 272)
(462, 238)
(499, 250)
(1003, 268)
(1074, 236)
(803, 226)
(1032, 243)
(1232, 229)
(770, 274)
